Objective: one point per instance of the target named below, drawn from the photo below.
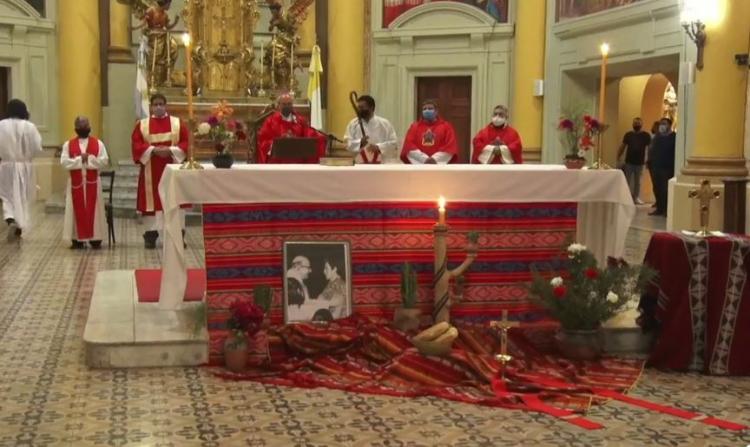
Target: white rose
(582, 153)
(204, 128)
(556, 282)
(612, 297)
(575, 249)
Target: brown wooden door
(4, 91)
(453, 94)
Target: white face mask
(663, 128)
(498, 121)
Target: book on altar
(294, 148)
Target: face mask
(160, 111)
(286, 110)
(663, 128)
(498, 121)
(429, 114)
(364, 114)
(637, 128)
(83, 133)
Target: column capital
(719, 167)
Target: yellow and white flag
(141, 85)
(313, 89)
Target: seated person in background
(380, 141)
(430, 140)
(498, 143)
(286, 123)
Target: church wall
(646, 29)
(439, 39)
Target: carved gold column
(120, 50)
(80, 68)
(346, 61)
(528, 58)
(717, 151)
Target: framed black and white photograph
(317, 281)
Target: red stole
(84, 205)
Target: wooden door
(453, 95)
(4, 91)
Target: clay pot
(406, 319)
(235, 354)
(580, 344)
(575, 163)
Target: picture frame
(317, 281)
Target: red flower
(232, 125)
(587, 119)
(213, 120)
(592, 273)
(246, 317)
(566, 124)
(560, 291)
(241, 136)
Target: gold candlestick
(190, 163)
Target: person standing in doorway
(662, 164)
(634, 145)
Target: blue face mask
(429, 114)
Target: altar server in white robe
(83, 157)
(19, 142)
(380, 143)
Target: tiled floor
(49, 397)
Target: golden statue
(279, 56)
(162, 48)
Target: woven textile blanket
(244, 248)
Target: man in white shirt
(83, 157)
(19, 142)
(379, 143)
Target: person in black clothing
(649, 155)
(661, 158)
(634, 145)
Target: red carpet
(148, 282)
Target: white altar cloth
(605, 207)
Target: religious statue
(279, 56)
(162, 48)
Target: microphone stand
(329, 159)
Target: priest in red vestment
(498, 143)
(431, 140)
(286, 123)
(157, 141)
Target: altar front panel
(244, 248)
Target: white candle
(262, 68)
(189, 73)
(441, 210)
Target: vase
(580, 344)
(575, 163)
(235, 354)
(223, 160)
(406, 319)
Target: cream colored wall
(653, 99)
(439, 39)
(647, 29)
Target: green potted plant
(586, 296)
(406, 317)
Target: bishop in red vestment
(498, 143)
(157, 141)
(286, 123)
(431, 140)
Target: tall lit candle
(189, 73)
(441, 210)
(273, 60)
(291, 66)
(604, 48)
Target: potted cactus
(406, 317)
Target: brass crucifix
(504, 325)
(705, 195)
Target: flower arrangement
(245, 321)
(577, 132)
(587, 296)
(221, 128)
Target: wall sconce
(696, 30)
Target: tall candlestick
(441, 210)
(262, 68)
(603, 81)
(188, 74)
(291, 68)
(273, 61)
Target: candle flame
(186, 39)
(604, 48)
(441, 202)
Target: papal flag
(313, 89)
(141, 85)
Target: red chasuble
(276, 127)
(498, 136)
(158, 132)
(84, 192)
(430, 137)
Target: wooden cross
(705, 195)
(504, 325)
